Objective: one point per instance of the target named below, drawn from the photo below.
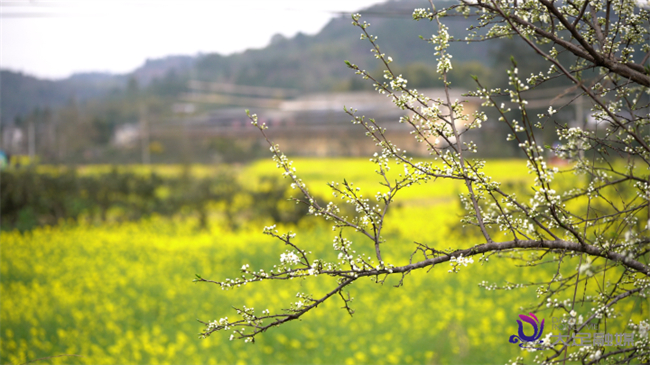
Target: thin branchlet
(602, 219)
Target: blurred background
(164, 82)
(129, 166)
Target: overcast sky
(53, 39)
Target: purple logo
(528, 340)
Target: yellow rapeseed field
(123, 293)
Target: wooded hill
(304, 62)
(88, 108)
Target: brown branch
(527, 244)
(584, 50)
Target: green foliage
(171, 85)
(31, 198)
(231, 150)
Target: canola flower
(123, 293)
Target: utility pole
(144, 135)
(53, 130)
(31, 138)
(188, 110)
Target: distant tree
(132, 87)
(602, 222)
(172, 84)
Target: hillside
(99, 117)
(304, 62)
(315, 63)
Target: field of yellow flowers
(122, 293)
